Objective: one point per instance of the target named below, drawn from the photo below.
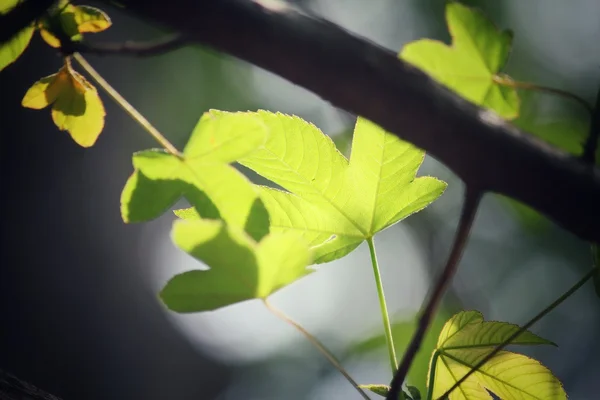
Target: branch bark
(366, 79)
(12, 388)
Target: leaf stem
(316, 343)
(383, 307)
(469, 209)
(525, 327)
(532, 86)
(126, 106)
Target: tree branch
(363, 78)
(12, 388)
(138, 49)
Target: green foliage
(255, 240)
(334, 203)
(383, 390)
(466, 339)
(472, 65)
(202, 175)
(13, 48)
(240, 268)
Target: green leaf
(240, 268)
(76, 106)
(381, 390)
(15, 46)
(472, 65)
(466, 339)
(596, 258)
(202, 175)
(414, 392)
(334, 203)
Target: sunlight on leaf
(334, 203)
(12, 49)
(472, 65)
(74, 20)
(466, 338)
(76, 106)
(240, 268)
(203, 175)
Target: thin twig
(591, 144)
(130, 48)
(532, 86)
(125, 105)
(469, 210)
(315, 342)
(516, 334)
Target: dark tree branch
(469, 210)
(589, 149)
(21, 16)
(138, 49)
(12, 388)
(363, 78)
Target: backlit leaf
(240, 268)
(471, 65)
(335, 203)
(202, 175)
(466, 339)
(73, 20)
(15, 46)
(76, 106)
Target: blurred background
(79, 313)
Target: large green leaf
(240, 268)
(466, 339)
(472, 65)
(334, 203)
(202, 175)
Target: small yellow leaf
(79, 110)
(49, 38)
(90, 19)
(76, 106)
(42, 93)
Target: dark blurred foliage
(79, 314)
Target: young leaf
(202, 175)
(74, 20)
(240, 268)
(334, 203)
(472, 65)
(76, 106)
(15, 46)
(381, 390)
(466, 339)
